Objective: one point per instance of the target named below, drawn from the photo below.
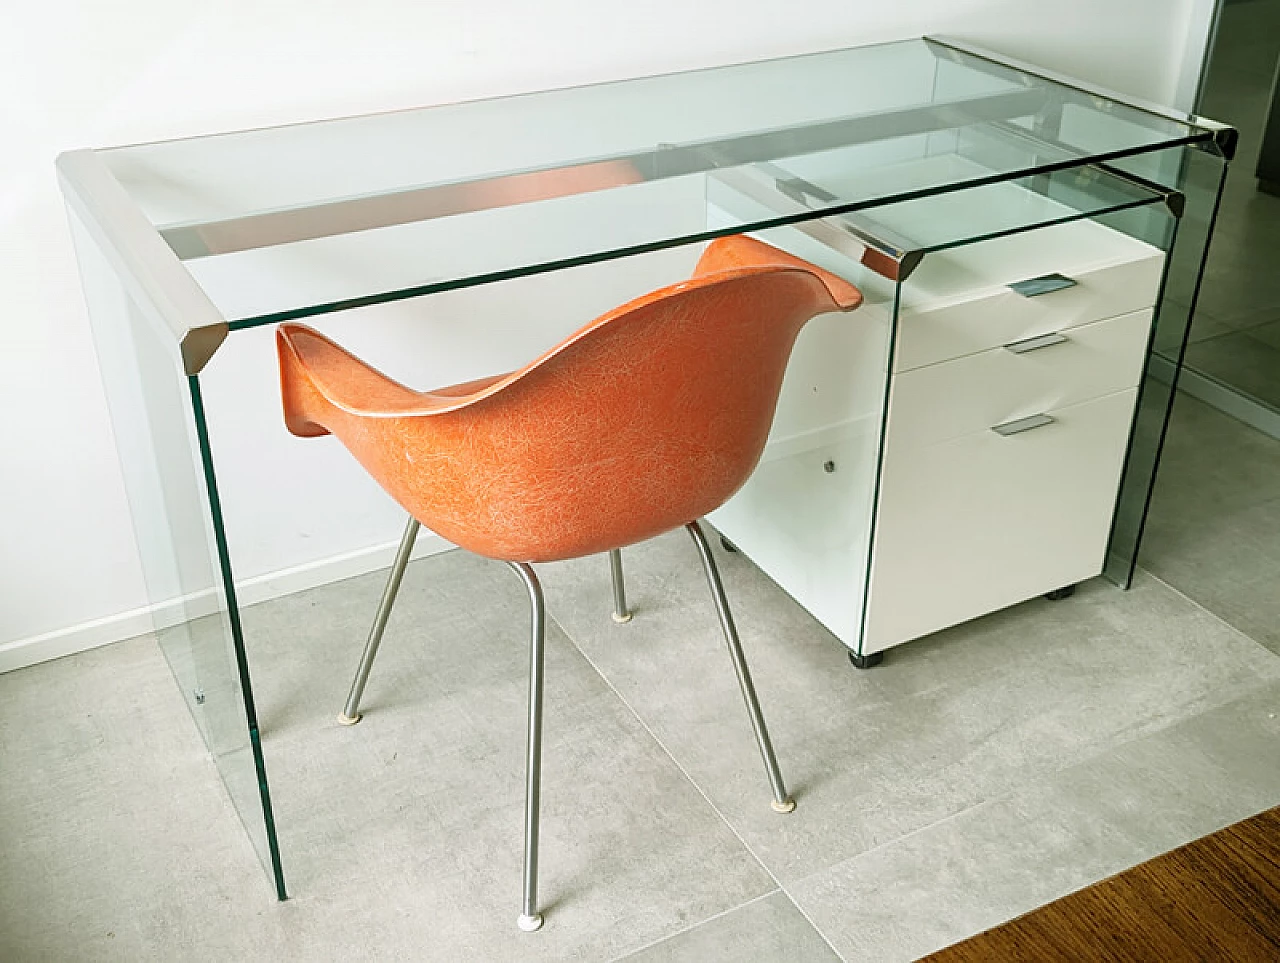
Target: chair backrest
(644, 420)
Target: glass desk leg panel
(172, 495)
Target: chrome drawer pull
(1045, 284)
(1031, 344)
(1022, 424)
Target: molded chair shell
(642, 421)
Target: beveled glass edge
(154, 277)
(1224, 137)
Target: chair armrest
(739, 251)
(315, 373)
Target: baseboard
(260, 588)
(1216, 394)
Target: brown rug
(1217, 898)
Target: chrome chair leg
(350, 715)
(620, 611)
(530, 919)
(782, 802)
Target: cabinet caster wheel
(728, 546)
(866, 661)
(1058, 595)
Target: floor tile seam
(1041, 778)
(816, 928)
(848, 860)
(1271, 308)
(985, 803)
(991, 800)
(1251, 330)
(778, 885)
(693, 926)
(674, 761)
(1209, 612)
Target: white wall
(78, 73)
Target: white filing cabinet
(955, 446)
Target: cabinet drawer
(979, 522)
(959, 302)
(1000, 385)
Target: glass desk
(931, 173)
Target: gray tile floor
(1214, 528)
(973, 776)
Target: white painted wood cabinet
(956, 445)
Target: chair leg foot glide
(347, 720)
(621, 613)
(788, 805)
(529, 924)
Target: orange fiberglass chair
(641, 422)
